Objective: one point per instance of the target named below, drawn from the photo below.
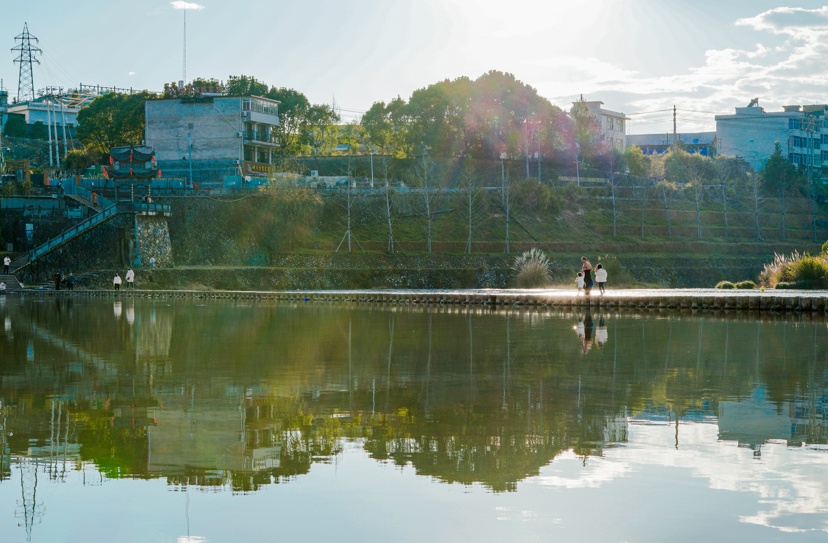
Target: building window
(825, 156)
(611, 123)
(620, 125)
(794, 124)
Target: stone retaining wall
(670, 300)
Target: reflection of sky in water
(161, 419)
(645, 490)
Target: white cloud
(180, 4)
(786, 20)
(790, 73)
(131, 73)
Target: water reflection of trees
(229, 395)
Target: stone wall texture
(154, 241)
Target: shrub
(810, 271)
(745, 285)
(617, 275)
(825, 249)
(725, 285)
(532, 268)
(772, 272)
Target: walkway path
(770, 300)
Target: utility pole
(539, 152)
(502, 180)
(49, 129)
(675, 135)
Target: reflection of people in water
(601, 335)
(585, 329)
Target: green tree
(293, 115)
(243, 85)
(781, 179)
(635, 161)
(112, 120)
(39, 131)
(16, 127)
(583, 130)
(320, 131)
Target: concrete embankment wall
(689, 299)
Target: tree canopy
(112, 120)
(479, 118)
(16, 127)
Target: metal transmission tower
(27, 55)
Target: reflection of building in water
(616, 429)
(754, 420)
(155, 336)
(197, 436)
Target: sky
(640, 57)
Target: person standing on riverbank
(6, 264)
(152, 262)
(586, 268)
(70, 282)
(579, 282)
(116, 282)
(130, 279)
(57, 281)
(600, 277)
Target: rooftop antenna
(27, 55)
(185, 6)
(184, 62)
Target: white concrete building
(612, 126)
(751, 132)
(50, 112)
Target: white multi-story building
(612, 126)
(49, 111)
(752, 132)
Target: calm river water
(189, 421)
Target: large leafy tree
(39, 131)
(780, 177)
(16, 127)
(583, 130)
(112, 120)
(478, 118)
(293, 114)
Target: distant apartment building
(612, 126)
(703, 143)
(211, 139)
(751, 132)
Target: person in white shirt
(600, 277)
(601, 335)
(117, 282)
(579, 282)
(2, 286)
(130, 278)
(152, 262)
(6, 264)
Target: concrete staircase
(84, 201)
(12, 284)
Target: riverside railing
(73, 232)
